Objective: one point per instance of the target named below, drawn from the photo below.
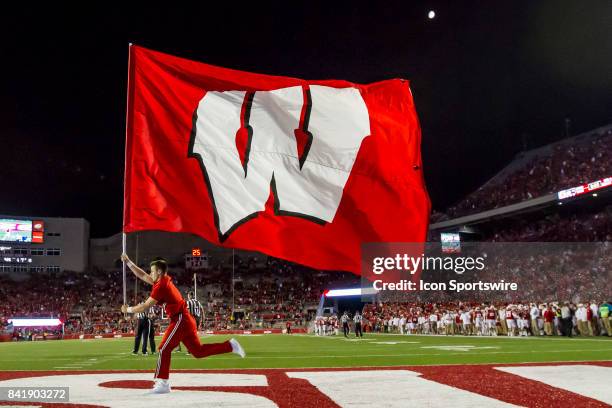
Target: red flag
(301, 170)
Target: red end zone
(526, 385)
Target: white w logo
(301, 142)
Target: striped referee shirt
(195, 307)
(141, 315)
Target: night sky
(486, 80)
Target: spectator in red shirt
(549, 318)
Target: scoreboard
(26, 231)
(451, 242)
(198, 259)
(15, 230)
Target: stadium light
(35, 322)
(431, 14)
(349, 292)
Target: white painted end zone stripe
(210, 380)
(395, 389)
(21, 406)
(588, 380)
(85, 389)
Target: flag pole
(123, 248)
(233, 256)
(136, 280)
(127, 116)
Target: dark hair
(160, 264)
(190, 293)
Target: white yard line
(417, 336)
(85, 364)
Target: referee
(151, 333)
(345, 323)
(195, 309)
(357, 319)
(143, 331)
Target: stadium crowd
(267, 297)
(593, 226)
(485, 319)
(267, 294)
(87, 302)
(270, 296)
(569, 163)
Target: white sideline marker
(459, 348)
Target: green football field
(302, 351)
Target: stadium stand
(473, 319)
(568, 163)
(270, 294)
(87, 303)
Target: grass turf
(302, 351)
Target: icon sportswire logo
(299, 142)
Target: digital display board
(15, 230)
(38, 232)
(585, 188)
(451, 242)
